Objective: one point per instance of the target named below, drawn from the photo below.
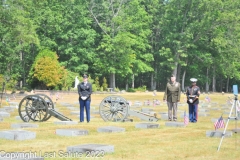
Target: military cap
(193, 80)
(85, 76)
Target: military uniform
(84, 91)
(193, 93)
(172, 95)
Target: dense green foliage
(134, 43)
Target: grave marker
(24, 125)
(17, 135)
(71, 132)
(91, 147)
(218, 133)
(147, 125)
(110, 129)
(236, 130)
(174, 124)
(4, 114)
(65, 122)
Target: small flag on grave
(186, 120)
(219, 123)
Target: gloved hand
(83, 97)
(190, 100)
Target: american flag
(185, 119)
(219, 123)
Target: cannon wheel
(113, 108)
(33, 107)
(50, 104)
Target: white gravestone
(24, 125)
(85, 148)
(147, 125)
(17, 135)
(71, 132)
(65, 122)
(110, 129)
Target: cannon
(117, 109)
(38, 107)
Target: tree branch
(91, 11)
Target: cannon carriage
(38, 107)
(117, 109)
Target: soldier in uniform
(193, 93)
(172, 95)
(85, 91)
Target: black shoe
(80, 121)
(87, 121)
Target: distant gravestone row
(85, 148)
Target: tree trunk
(175, 69)
(178, 73)
(176, 64)
(127, 85)
(207, 85)
(214, 80)
(227, 84)
(112, 80)
(152, 77)
(133, 81)
(155, 78)
(183, 80)
(21, 59)
(221, 85)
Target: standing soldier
(193, 93)
(172, 95)
(85, 91)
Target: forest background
(122, 44)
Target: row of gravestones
(75, 132)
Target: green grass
(164, 142)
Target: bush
(94, 88)
(101, 89)
(105, 85)
(141, 89)
(97, 83)
(116, 89)
(131, 90)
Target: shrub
(131, 90)
(94, 88)
(104, 85)
(141, 89)
(97, 83)
(116, 89)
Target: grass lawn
(188, 142)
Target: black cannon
(116, 108)
(38, 107)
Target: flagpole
(223, 135)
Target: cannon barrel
(38, 107)
(116, 108)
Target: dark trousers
(86, 105)
(193, 112)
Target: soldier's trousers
(172, 111)
(193, 112)
(86, 105)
